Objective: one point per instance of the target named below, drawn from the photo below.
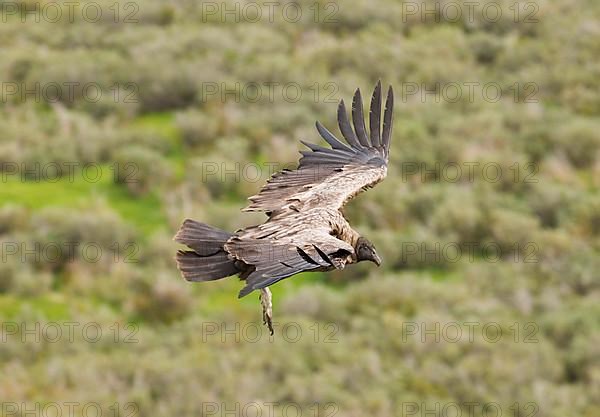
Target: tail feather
(194, 267)
(208, 260)
(205, 240)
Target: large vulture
(305, 229)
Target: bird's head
(365, 251)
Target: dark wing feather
(374, 116)
(388, 121)
(202, 238)
(275, 260)
(333, 176)
(345, 128)
(267, 274)
(358, 119)
(331, 139)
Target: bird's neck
(351, 236)
(344, 232)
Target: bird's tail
(208, 260)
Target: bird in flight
(305, 229)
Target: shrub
(165, 87)
(485, 47)
(141, 169)
(7, 276)
(197, 128)
(160, 297)
(551, 203)
(60, 235)
(579, 139)
(513, 231)
(13, 218)
(459, 217)
(585, 215)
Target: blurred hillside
(120, 119)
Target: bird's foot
(266, 300)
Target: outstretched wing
(332, 176)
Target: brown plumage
(305, 229)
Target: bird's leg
(266, 300)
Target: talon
(269, 324)
(267, 306)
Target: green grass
(52, 306)
(145, 213)
(163, 123)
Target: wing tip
(375, 116)
(245, 291)
(377, 88)
(388, 121)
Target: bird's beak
(376, 259)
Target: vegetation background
(164, 105)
